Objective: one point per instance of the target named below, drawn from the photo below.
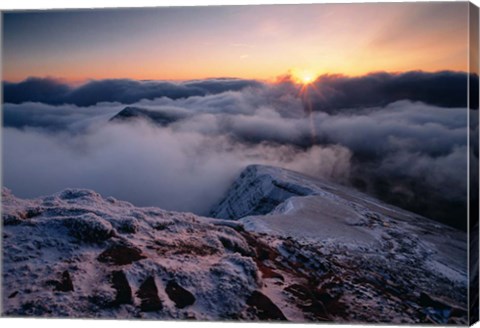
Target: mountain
(161, 117)
(408, 250)
(290, 247)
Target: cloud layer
(327, 93)
(54, 92)
(336, 92)
(406, 152)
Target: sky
(255, 42)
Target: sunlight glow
(303, 76)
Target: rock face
(162, 118)
(293, 248)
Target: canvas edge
(473, 168)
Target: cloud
(409, 153)
(332, 93)
(147, 165)
(48, 91)
(400, 126)
(328, 93)
(125, 91)
(56, 118)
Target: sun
(307, 79)
(303, 76)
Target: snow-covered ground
(80, 255)
(421, 255)
(286, 247)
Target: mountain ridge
(327, 253)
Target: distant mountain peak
(162, 117)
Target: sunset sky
(260, 42)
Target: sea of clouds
(395, 136)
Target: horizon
(301, 78)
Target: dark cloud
(409, 153)
(48, 91)
(125, 91)
(331, 93)
(328, 93)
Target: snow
(334, 220)
(69, 230)
(284, 245)
(326, 212)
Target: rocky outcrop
(162, 118)
(257, 192)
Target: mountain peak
(162, 117)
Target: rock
(32, 212)
(64, 285)
(121, 254)
(268, 272)
(310, 301)
(265, 308)
(179, 295)
(74, 194)
(124, 291)
(126, 225)
(234, 244)
(10, 219)
(12, 295)
(148, 294)
(160, 117)
(89, 228)
(256, 192)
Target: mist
(176, 170)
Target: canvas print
(303, 163)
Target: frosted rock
(89, 228)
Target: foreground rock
(318, 252)
(105, 268)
